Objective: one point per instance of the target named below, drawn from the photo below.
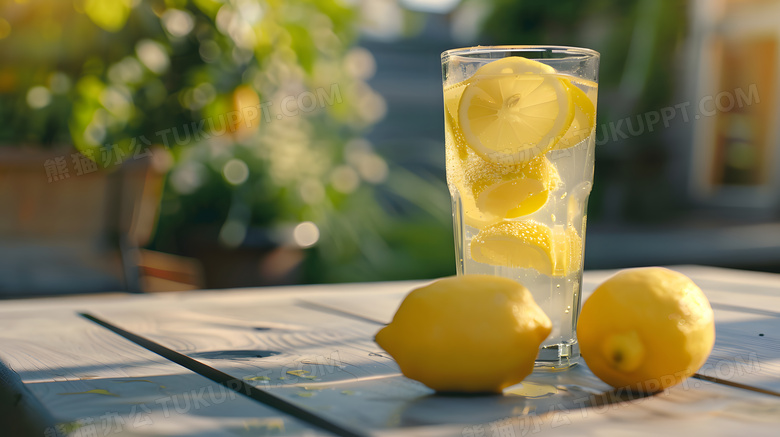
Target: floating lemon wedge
(530, 245)
(513, 110)
(584, 116)
(472, 214)
(512, 191)
(522, 244)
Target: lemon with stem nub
(471, 333)
(646, 329)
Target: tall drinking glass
(520, 133)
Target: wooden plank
(328, 363)
(225, 329)
(92, 381)
(229, 381)
(319, 361)
(706, 408)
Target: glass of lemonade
(520, 136)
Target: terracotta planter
(67, 229)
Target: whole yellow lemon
(646, 329)
(472, 333)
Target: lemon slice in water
(514, 109)
(584, 116)
(520, 244)
(530, 245)
(512, 191)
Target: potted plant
(256, 108)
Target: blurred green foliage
(638, 40)
(186, 75)
(641, 46)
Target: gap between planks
(228, 381)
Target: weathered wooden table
(301, 361)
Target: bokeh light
(306, 234)
(235, 171)
(38, 97)
(153, 55)
(177, 22)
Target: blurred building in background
(170, 144)
(733, 70)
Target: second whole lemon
(471, 333)
(646, 329)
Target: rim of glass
(575, 51)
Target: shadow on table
(178, 404)
(17, 419)
(538, 395)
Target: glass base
(557, 357)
